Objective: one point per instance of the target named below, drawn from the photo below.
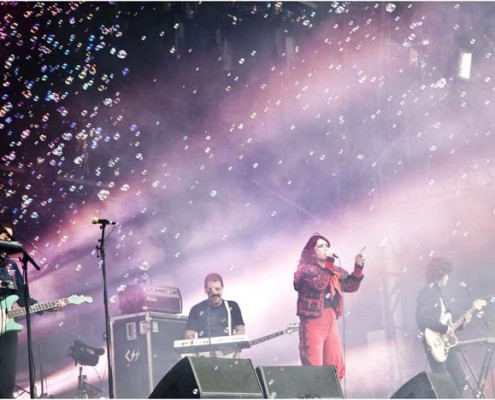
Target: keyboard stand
(479, 389)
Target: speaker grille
(300, 382)
(209, 378)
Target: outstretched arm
(351, 282)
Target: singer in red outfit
(320, 286)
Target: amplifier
(138, 298)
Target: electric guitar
(440, 343)
(225, 346)
(7, 314)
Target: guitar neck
(460, 321)
(267, 337)
(18, 312)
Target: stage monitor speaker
(427, 385)
(201, 377)
(296, 382)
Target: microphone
(101, 221)
(332, 257)
(8, 247)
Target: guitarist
(11, 283)
(432, 313)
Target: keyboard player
(214, 316)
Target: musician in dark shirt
(432, 313)
(11, 283)
(11, 292)
(214, 316)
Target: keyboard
(219, 343)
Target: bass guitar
(440, 343)
(7, 314)
(290, 329)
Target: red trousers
(319, 341)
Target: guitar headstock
(291, 328)
(79, 299)
(478, 304)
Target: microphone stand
(42, 375)
(25, 259)
(100, 253)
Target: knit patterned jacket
(311, 280)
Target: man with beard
(214, 316)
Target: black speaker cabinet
(143, 351)
(200, 377)
(427, 385)
(300, 382)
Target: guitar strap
(3, 316)
(444, 313)
(229, 317)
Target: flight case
(142, 350)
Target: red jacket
(311, 280)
